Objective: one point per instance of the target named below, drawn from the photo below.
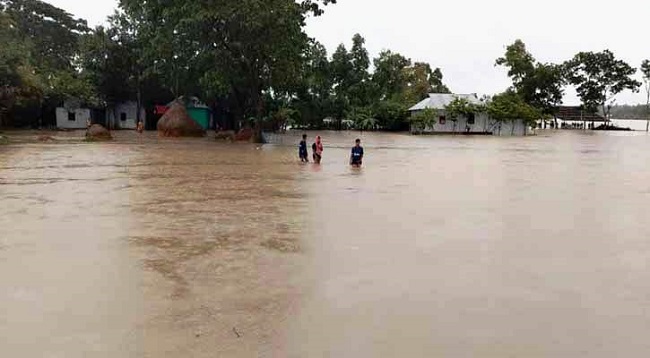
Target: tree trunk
(257, 126)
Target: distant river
(441, 246)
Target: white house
(474, 123)
(72, 116)
(124, 116)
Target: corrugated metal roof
(441, 100)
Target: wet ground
(439, 246)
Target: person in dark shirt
(302, 151)
(356, 159)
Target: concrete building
(124, 116)
(72, 115)
(69, 117)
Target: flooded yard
(440, 246)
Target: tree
(457, 108)
(539, 84)
(390, 76)
(423, 119)
(510, 107)
(15, 67)
(400, 85)
(245, 49)
(53, 32)
(314, 95)
(645, 70)
(391, 115)
(422, 80)
(362, 117)
(47, 39)
(599, 77)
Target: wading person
(318, 150)
(302, 150)
(140, 127)
(356, 158)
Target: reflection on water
(439, 246)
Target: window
(72, 116)
(123, 117)
(471, 118)
(442, 120)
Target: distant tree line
(597, 77)
(247, 59)
(252, 63)
(626, 111)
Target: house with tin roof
(470, 123)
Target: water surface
(439, 246)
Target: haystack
(98, 132)
(177, 123)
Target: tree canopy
(541, 85)
(599, 77)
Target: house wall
(482, 124)
(82, 115)
(130, 109)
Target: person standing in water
(302, 151)
(356, 158)
(318, 150)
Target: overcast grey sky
(464, 38)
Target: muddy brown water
(439, 246)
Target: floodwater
(440, 246)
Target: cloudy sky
(464, 38)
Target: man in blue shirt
(356, 159)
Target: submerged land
(448, 245)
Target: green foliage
(459, 107)
(362, 117)
(390, 75)
(599, 77)
(421, 80)
(38, 61)
(510, 107)
(539, 84)
(52, 32)
(391, 115)
(629, 111)
(423, 119)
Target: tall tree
(314, 93)
(422, 80)
(645, 71)
(49, 41)
(541, 85)
(360, 91)
(599, 77)
(17, 80)
(244, 48)
(54, 33)
(390, 75)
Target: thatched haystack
(177, 123)
(98, 132)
